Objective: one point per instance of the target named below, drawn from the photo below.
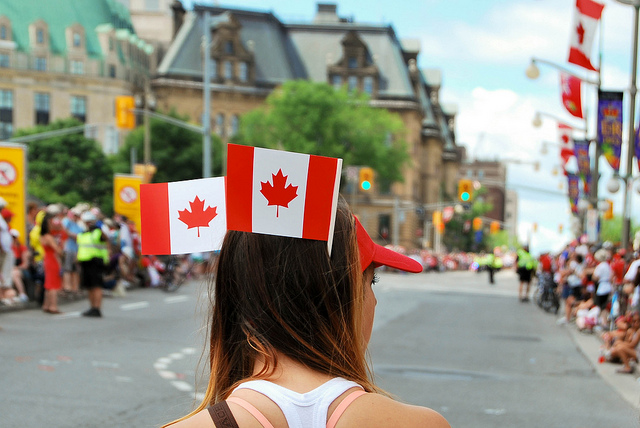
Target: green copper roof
(60, 14)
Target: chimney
(327, 14)
(178, 16)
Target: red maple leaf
(277, 194)
(198, 217)
(580, 31)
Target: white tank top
(308, 410)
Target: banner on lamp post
(610, 126)
(581, 148)
(573, 182)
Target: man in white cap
(93, 255)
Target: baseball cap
(370, 252)
(6, 213)
(88, 216)
(14, 233)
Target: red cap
(370, 252)
(6, 213)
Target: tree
(314, 118)
(459, 233)
(68, 169)
(175, 151)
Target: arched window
(77, 40)
(39, 36)
(220, 124)
(3, 32)
(243, 72)
(368, 85)
(235, 123)
(353, 83)
(228, 70)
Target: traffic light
(125, 119)
(438, 224)
(465, 190)
(608, 214)
(494, 227)
(366, 178)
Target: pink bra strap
(251, 409)
(335, 416)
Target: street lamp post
(628, 180)
(206, 98)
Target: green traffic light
(365, 185)
(464, 196)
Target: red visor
(370, 252)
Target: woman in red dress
(52, 278)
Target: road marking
(124, 379)
(188, 351)
(496, 412)
(67, 315)
(159, 366)
(164, 360)
(182, 385)
(133, 306)
(176, 356)
(105, 364)
(166, 374)
(176, 299)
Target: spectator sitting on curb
(21, 266)
(625, 350)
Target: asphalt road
(448, 341)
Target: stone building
(492, 175)
(254, 52)
(63, 58)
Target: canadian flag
(571, 96)
(564, 135)
(282, 193)
(183, 216)
(585, 21)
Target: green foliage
(175, 151)
(459, 237)
(68, 169)
(315, 118)
(611, 230)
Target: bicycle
(174, 274)
(546, 296)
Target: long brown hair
(287, 295)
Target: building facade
(70, 59)
(491, 175)
(252, 53)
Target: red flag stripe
(317, 205)
(590, 8)
(578, 57)
(154, 215)
(239, 199)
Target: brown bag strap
(222, 416)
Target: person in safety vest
(525, 266)
(93, 256)
(494, 264)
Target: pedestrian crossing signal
(465, 189)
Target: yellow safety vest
(91, 247)
(525, 260)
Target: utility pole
(206, 98)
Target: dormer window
(352, 62)
(243, 72)
(3, 32)
(356, 67)
(228, 70)
(228, 47)
(39, 36)
(368, 85)
(235, 59)
(353, 83)
(336, 81)
(77, 40)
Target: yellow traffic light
(608, 214)
(494, 227)
(465, 190)
(125, 119)
(366, 178)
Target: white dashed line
(176, 356)
(133, 306)
(176, 299)
(182, 385)
(67, 315)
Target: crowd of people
(75, 251)
(600, 290)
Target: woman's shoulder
(375, 410)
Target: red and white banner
(564, 135)
(183, 216)
(571, 96)
(585, 22)
(282, 193)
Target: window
(3, 32)
(353, 83)
(244, 72)
(79, 108)
(76, 67)
(228, 70)
(111, 44)
(352, 62)
(41, 102)
(4, 60)
(112, 71)
(6, 114)
(213, 69)
(228, 47)
(336, 81)
(235, 122)
(220, 124)
(39, 36)
(40, 63)
(368, 85)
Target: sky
(482, 48)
